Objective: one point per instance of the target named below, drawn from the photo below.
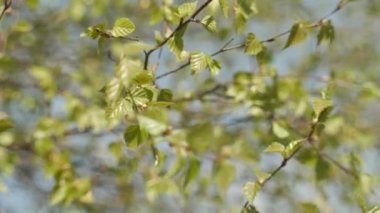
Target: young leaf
(145, 77)
(175, 44)
(298, 33)
(165, 95)
(224, 7)
(275, 147)
(309, 208)
(213, 65)
(122, 27)
(248, 7)
(322, 169)
(240, 21)
(224, 174)
(94, 31)
(192, 170)
(322, 108)
(375, 209)
(200, 136)
(5, 123)
(154, 121)
(292, 147)
(187, 9)
(279, 131)
(252, 45)
(198, 61)
(209, 23)
(250, 190)
(326, 33)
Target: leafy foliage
(139, 124)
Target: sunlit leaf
(322, 108)
(279, 131)
(122, 27)
(224, 174)
(198, 61)
(209, 23)
(293, 146)
(155, 121)
(224, 6)
(250, 190)
(298, 33)
(175, 44)
(187, 9)
(275, 147)
(252, 45)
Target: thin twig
(7, 5)
(268, 40)
(337, 164)
(180, 26)
(285, 160)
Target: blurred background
(50, 79)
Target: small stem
(181, 25)
(7, 5)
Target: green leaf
(198, 61)
(262, 176)
(5, 123)
(122, 27)
(252, 45)
(175, 44)
(224, 174)
(187, 9)
(240, 22)
(200, 136)
(193, 169)
(154, 120)
(213, 65)
(322, 169)
(209, 23)
(308, 208)
(326, 32)
(279, 131)
(292, 147)
(94, 31)
(116, 148)
(247, 7)
(322, 108)
(145, 77)
(224, 7)
(375, 209)
(250, 190)
(275, 147)
(113, 90)
(134, 135)
(165, 95)
(298, 33)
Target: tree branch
(285, 160)
(181, 25)
(268, 40)
(7, 5)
